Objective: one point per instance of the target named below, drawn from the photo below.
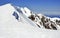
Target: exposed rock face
(32, 17)
(44, 22)
(58, 22)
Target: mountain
(20, 22)
(41, 20)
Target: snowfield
(11, 28)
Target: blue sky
(48, 7)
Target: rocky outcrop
(44, 22)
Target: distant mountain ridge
(52, 16)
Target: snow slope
(11, 28)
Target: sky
(48, 7)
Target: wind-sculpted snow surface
(12, 26)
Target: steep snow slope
(11, 28)
(24, 14)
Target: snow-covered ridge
(43, 21)
(16, 24)
(40, 20)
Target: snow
(40, 15)
(11, 28)
(54, 19)
(5, 12)
(26, 11)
